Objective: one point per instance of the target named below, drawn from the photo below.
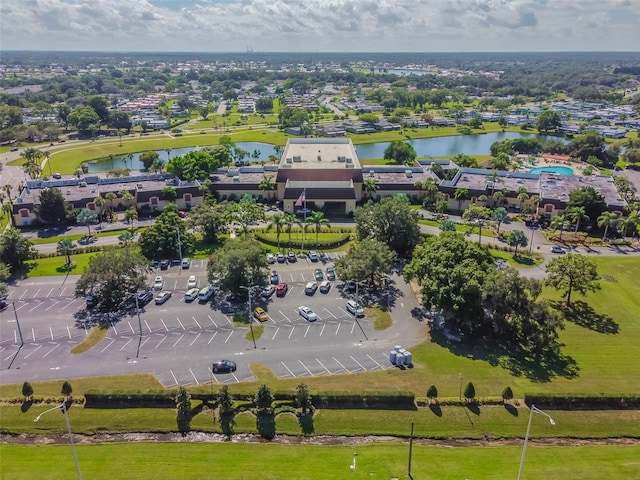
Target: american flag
(301, 199)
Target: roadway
(178, 341)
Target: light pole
(139, 325)
(66, 417)
(526, 437)
(250, 317)
(355, 313)
(531, 242)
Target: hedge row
(78, 250)
(311, 243)
(165, 399)
(455, 401)
(579, 401)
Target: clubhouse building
(334, 182)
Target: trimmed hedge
(455, 401)
(342, 239)
(582, 401)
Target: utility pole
(410, 451)
(15, 312)
(139, 325)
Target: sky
(320, 25)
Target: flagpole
(304, 216)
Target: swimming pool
(558, 170)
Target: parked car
(163, 297)
(331, 273)
(57, 176)
(319, 276)
(282, 288)
(186, 263)
(164, 264)
(91, 301)
(271, 259)
(145, 297)
(355, 308)
(191, 295)
(308, 314)
(275, 279)
(260, 315)
(325, 286)
(158, 283)
(3, 305)
(556, 249)
(310, 288)
(223, 366)
(291, 256)
(205, 294)
(281, 258)
(350, 286)
(192, 282)
(313, 256)
(268, 291)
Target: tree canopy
(369, 261)
(399, 152)
(52, 209)
(198, 164)
(237, 265)
(15, 249)
(167, 237)
(572, 272)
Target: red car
(281, 289)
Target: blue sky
(320, 25)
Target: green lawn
(272, 461)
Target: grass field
(267, 461)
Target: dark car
(280, 257)
(275, 279)
(223, 366)
(164, 264)
(331, 273)
(91, 301)
(3, 305)
(145, 297)
(291, 256)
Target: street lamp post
(526, 437)
(250, 317)
(66, 417)
(355, 313)
(139, 325)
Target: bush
(580, 401)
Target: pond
(425, 147)
(119, 161)
(448, 146)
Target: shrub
(507, 394)
(469, 392)
(432, 393)
(27, 391)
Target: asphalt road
(180, 340)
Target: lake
(424, 147)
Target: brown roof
(328, 175)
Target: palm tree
(7, 209)
(128, 159)
(267, 185)
(370, 186)
(131, 214)
(278, 221)
(561, 222)
(523, 196)
(317, 219)
(497, 197)
(7, 188)
(576, 214)
(66, 247)
(32, 169)
(606, 220)
(290, 220)
(483, 198)
(536, 201)
(460, 194)
(99, 203)
(125, 195)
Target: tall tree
(183, 410)
(572, 272)
(399, 152)
(237, 265)
(264, 398)
(516, 239)
(267, 185)
(370, 187)
(369, 261)
(167, 237)
(548, 120)
(500, 214)
(277, 221)
(86, 217)
(460, 194)
(317, 219)
(66, 247)
(15, 249)
(607, 220)
(576, 215)
(52, 208)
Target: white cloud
(321, 25)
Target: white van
(205, 294)
(355, 308)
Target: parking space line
(164, 337)
(9, 357)
(180, 323)
(326, 310)
(33, 333)
(144, 341)
(275, 333)
(322, 330)
(285, 366)
(307, 331)
(214, 323)
(39, 303)
(194, 377)
(194, 319)
(213, 377)
(353, 327)
(69, 304)
(51, 332)
(229, 337)
(343, 367)
(228, 320)
(132, 331)
(37, 292)
(177, 341)
(148, 327)
(113, 325)
(338, 329)
(286, 318)
(211, 339)
(123, 347)
(68, 331)
(102, 351)
(372, 359)
(34, 351)
(15, 336)
(50, 292)
(165, 325)
(52, 305)
(45, 355)
(235, 378)
(194, 340)
(328, 371)
(23, 294)
(291, 332)
(21, 306)
(305, 367)
(174, 378)
(351, 357)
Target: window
(187, 197)
(153, 200)
(24, 213)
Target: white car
(355, 308)
(307, 314)
(205, 294)
(192, 282)
(158, 283)
(191, 295)
(271, 258)
(556, 249)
